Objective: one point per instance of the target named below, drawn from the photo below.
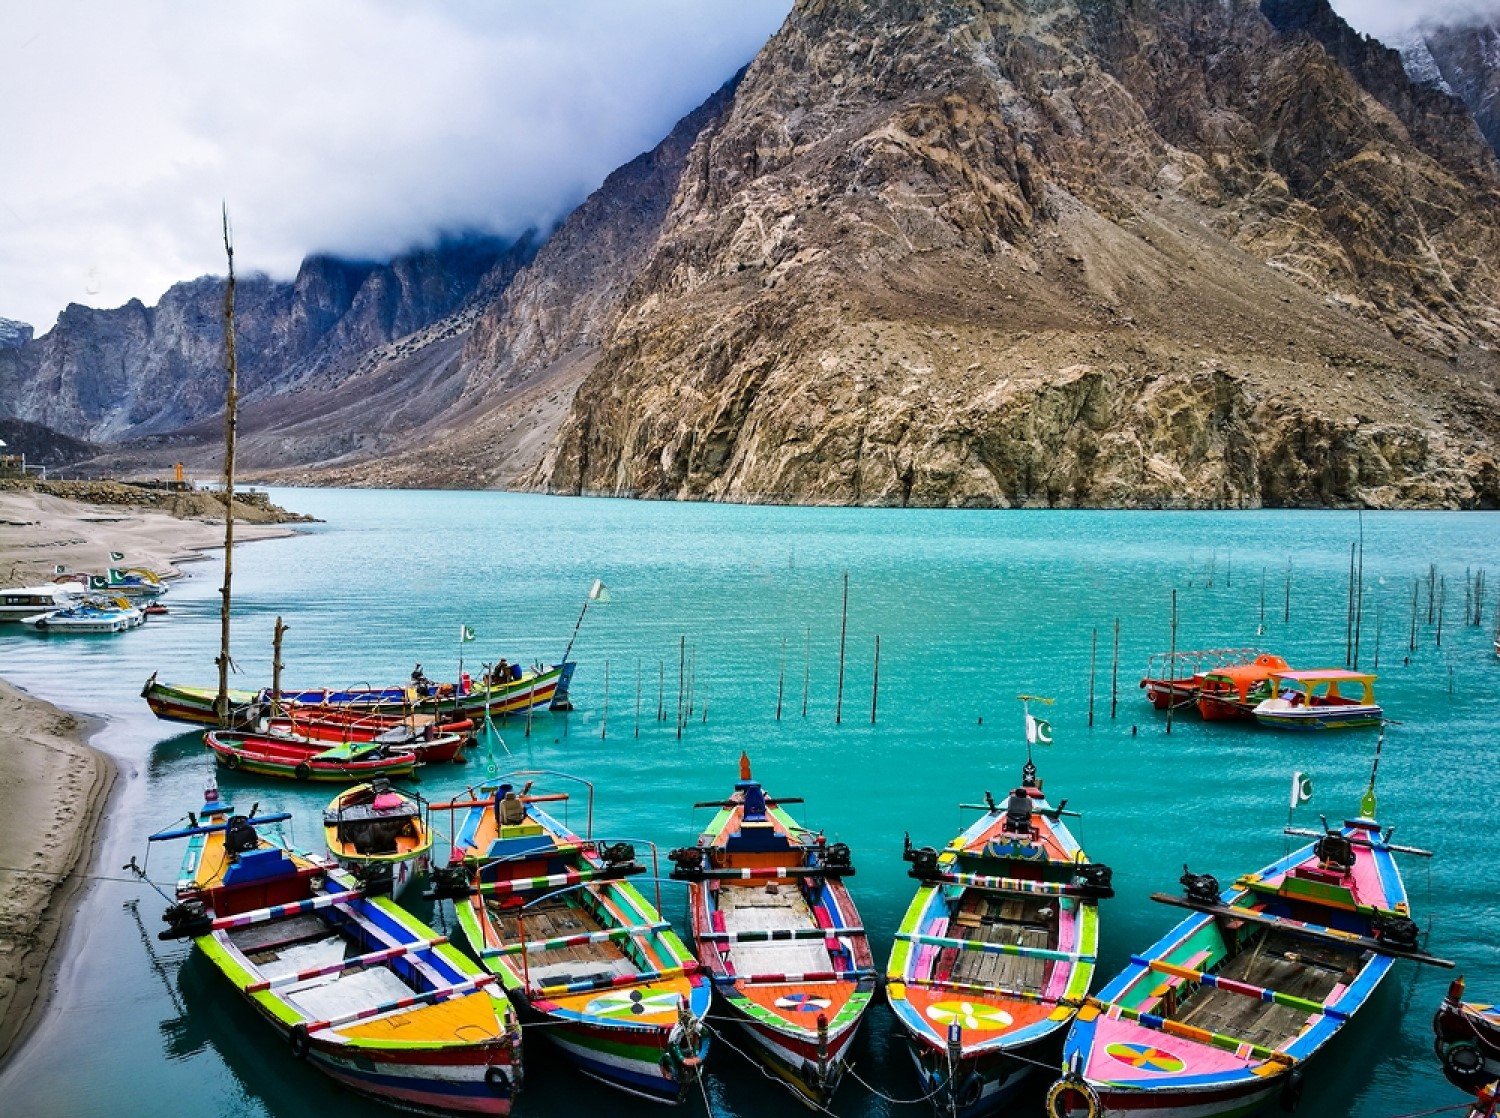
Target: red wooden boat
(1174, 679)
(1231, 694)
(351, 762)
(430, 739)
(1468, 1042)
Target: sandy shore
(39, 531)
(53, 787)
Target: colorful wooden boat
(1221, 1015)
(577, 947)
(426, 745)
(358, 987)
(380, 835)
(1173, 679)
(776, 928)
(136, 583)
(1468, 1040)
(348, 761)
(317, 723)
(996, 951)
(1231, 694)
(1329, 699)
(537, 689)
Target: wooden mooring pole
(875, 685)
(838, 707)
(1093, 669)
(1172, 664)
(1114, 675)
(781, 680)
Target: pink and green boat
(1223, 1013)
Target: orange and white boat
(1231, 694)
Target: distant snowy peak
(14, 334)
(1463, 61)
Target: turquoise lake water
(970, 607)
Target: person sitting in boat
(502, 673)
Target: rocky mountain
(1063, 252)
(43, 446)
(135, 370)
(1463, 60)
(14, 334)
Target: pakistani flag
(116, 556)
(1301, 789)
(116, 575)
(59, 569)
(598, 592)
(1038, 730)
(465, 634)
(98, 582)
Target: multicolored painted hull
(629, 1059)
(1219, 1017)
(1303, 719)
(544, 690)
(283, 760)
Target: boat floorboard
(1278, 963)
(755, 908)
(1023, 921)
(278, 934)
(555, 918)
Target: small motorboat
(1173, 680)
(776, 928)
(431, 739)
(269, 756)
(155, 609)
(1231, 694)
(1329, 699)
(135, 583)
(359, 988)
(92, 615)
(380, 835)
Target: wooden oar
(614, 981)
(276, 912)
(1235, 986)
(771, 802)
(1299, 928)
(779, 935)
(1004, 884)
(557, 880)
(793, 979)
(764, 873)
(1242, 1048)
(608, 935)
(209, 828)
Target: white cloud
(359, 127)
(1390, 20)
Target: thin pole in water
(604, 717)
(231, 419)
(806, 669)
(1172, 665)
(681, 680)
(661, 690)
(1286, 615)
(781, 680)
(1377, 634)
(276, 665)
(1431, 592)
(1349, 614)
(875, 687)
(1416, 589)
(838, 709)
(1093, 667)
(637, 696)
(1114, 674)
(1442, 602)
(1262, 601)
(1359, 593)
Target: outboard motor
(617, 854)
(1097, 879)
(1201, 888)
(450, 883)
(1396, 932)
(686, 860)
(185, 918)
(1018, 814)
(239, 836)
(838, 856)
(1335, 852)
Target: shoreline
(54, 787)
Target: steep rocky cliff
(136, 370)
(1463, 60)
(1062, 252)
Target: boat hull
(403, 871)
(482, 1081)
(984, 1084)
(1220, 1103)
(1304, 719)
(1224, 708)
(1165, 693)
(794, 1059)
(631, 1059)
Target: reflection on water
(971, 608)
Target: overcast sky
(360, 127)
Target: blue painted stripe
(415, 1082)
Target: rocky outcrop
(1462, 60)
(136, 370)
(13, 334)
(1062, 253)
(43, 446)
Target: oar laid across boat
(432, 739)
(776, 928)
(357, 986)
(1220, 1016)
(575, 945)
(996, 952)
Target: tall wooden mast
(231, 403)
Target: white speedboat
(28, 601)
(92, 615)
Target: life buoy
(1464, 1065)
(303, 771)
(1072, 1097)
(231, 760)
(297, 1041)
(496, 1079)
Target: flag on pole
(599, 592)
(116, 575)
(59, 569)
(116, 556)
(465, 634)
(1038, 730)
(98, 582)
(1302, 789)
